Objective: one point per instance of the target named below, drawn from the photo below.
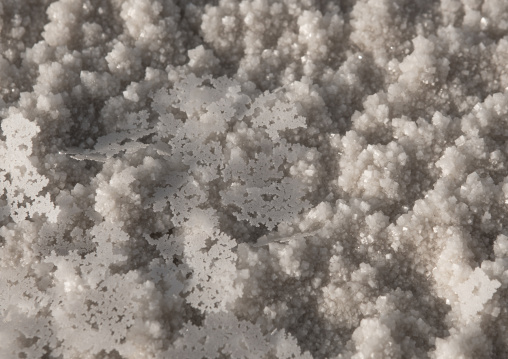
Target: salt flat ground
(253, 179)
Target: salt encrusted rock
(253, 179)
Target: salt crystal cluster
(253, 179)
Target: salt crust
(253, 179)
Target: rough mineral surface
(253, 179)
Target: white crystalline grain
(253, 179)
(475, 292)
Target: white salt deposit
(253, 179)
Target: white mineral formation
(253, 179)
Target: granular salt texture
(253, 179)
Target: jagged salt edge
(266, 240)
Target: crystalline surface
(253, 179)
